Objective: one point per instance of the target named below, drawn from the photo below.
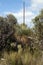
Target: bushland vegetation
(20, 44)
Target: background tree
(38, 30)
(11, 19)
(7, 31)
(38, 26)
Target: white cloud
(19, 15)
(30, 13)
(36, 5)
(37, 1)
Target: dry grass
(22, 58)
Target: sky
(15, 7)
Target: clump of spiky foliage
(22, 58)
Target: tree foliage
(38, 25)
(6, 30)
